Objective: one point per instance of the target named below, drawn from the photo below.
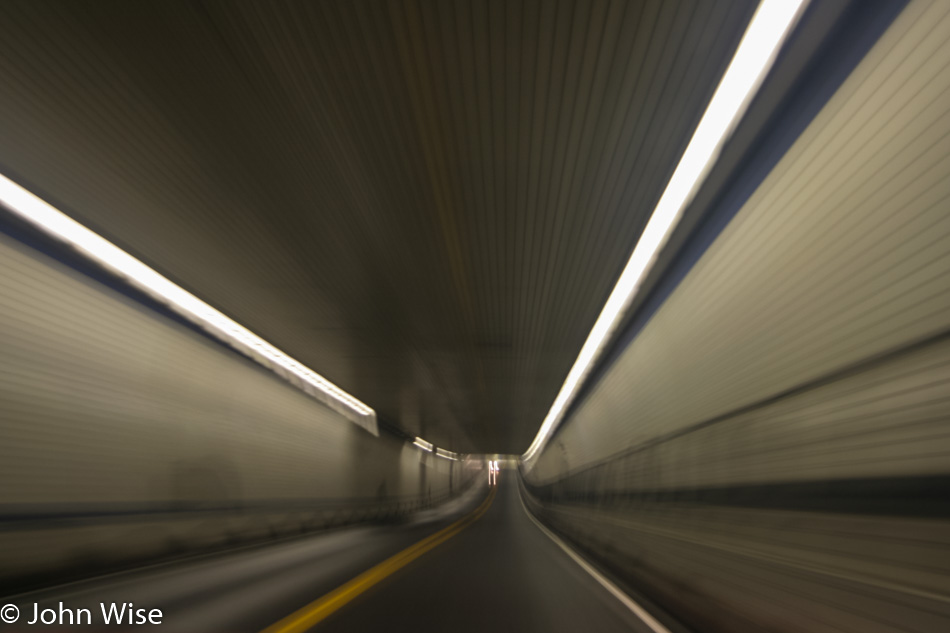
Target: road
(480, 565)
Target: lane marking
(310, 615)
(617, 593)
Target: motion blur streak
(137, 436)
(776, 437)
(760, 44)
(46, 217)
(430, 203)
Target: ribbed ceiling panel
(427, 202)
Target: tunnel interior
(475, 316)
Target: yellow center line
(308, 616)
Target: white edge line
(617, 593)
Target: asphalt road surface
(480, 565)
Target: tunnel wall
(127, 435)
(771, 452)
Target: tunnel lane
(247, 589)
(479, 564)
(306, 618)
(501, 574)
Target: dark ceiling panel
(427, 202)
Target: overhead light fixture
(421, 443)
(441, 452)
(57, 224)
(763, 38)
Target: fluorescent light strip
(421, 443)
(760, 44)
(441, 452)
(429, 447)
(60, 226)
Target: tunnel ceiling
(427, 202)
